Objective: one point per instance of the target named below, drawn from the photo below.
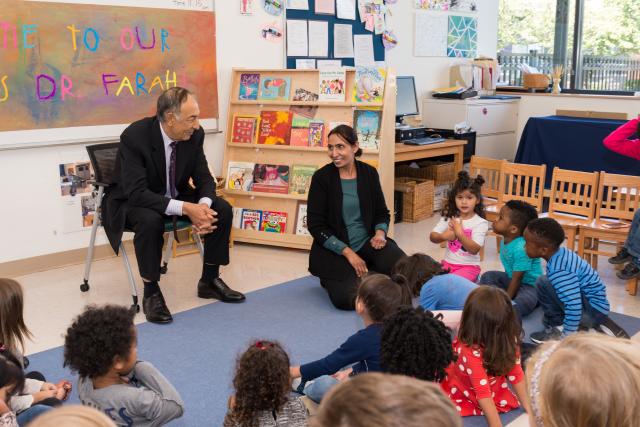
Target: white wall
(29, 178)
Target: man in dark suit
(157, 159)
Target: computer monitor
(406, 98)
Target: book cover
(245, 129)
(274, 222)
(275, 127)
(332, 84)
(270, 178)
(275, 88)
(249, 84)
(369, 84)
(301, 220)
(316, 134)
(304, 95)
(300, 179)
(299, 132)
(251, 219)
(367, 126)
(240, 176)
(237, 218)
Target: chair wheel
(164, 268)
(135, 308)
(85, 286)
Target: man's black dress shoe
(219, 290)
(155, 309)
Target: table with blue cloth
(572, 143)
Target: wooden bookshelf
(383, 158)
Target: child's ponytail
(405, 289)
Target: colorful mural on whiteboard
(65, 65)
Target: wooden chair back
(573, 193)
(618, 196)
(524, 182)
(490, 171)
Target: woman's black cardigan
(324, 215)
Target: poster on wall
(445, 5)
(462, 38)
(430, 34)
(78, 203)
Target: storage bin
(417, 198)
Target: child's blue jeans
(633, 239)
(526, 299)
(316, 389)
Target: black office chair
(103, 159)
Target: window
(596, 41)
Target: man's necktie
(172, 185)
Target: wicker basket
(440, 172)
(417, 198)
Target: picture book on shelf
(367, 126)
(275, 88)
(240, 176)
(273, 221)
(369, 84)
(270, 178)
(237, 218)
(300, 179)
(304, 95)
(299, 132)
(308, 111)
(316, 134)
(301, 220)
(275, 127)
(249, 84)
(332, 84)
(251, 219)
(245, 128)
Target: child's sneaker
(621, 257)
(548, 334)
(611, 328)
(629, 271)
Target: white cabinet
(494, 121)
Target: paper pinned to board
(346, 9)
(342, 41)
(297, 38)
(318, 38)
(298, 4)
(305, 63)
(363, 50)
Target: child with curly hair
(488, 358)
(11, 381)
(463, 227)
(263, 395)
(378, 296)
(37, 395)
(101, 346)
(415, 343)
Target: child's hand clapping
(455, 224)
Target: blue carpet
(197, 351)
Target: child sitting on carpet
(520, 272)
(487, 348)
(377, 399)
(416, 344)
(101, 346)
(462, 227)
(37, 395)
(378, 296)
(263, 396)
(585, 380)
(11, 381)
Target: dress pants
(148, 226)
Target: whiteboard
(68, 133)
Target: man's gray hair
(170, 101)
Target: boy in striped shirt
(572, 295)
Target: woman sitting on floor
(348, 219)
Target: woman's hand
(356, 262)
(379, 240)
(342, 375)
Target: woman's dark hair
(489, 322)
(416, 344)
(348, 135)
(547, 229)
(418, 269)
(464, 182)
(262, 382)
(96, 337)
(10, 372)
(382, 295)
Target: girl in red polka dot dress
(488, 359)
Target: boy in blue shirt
(572, 295)
(520, 272)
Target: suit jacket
(140, 175)
(324, 215)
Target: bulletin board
(85, 69)
(357, 28)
